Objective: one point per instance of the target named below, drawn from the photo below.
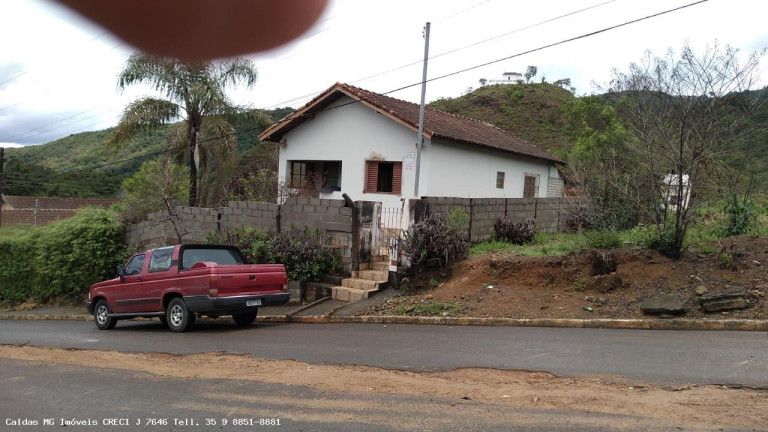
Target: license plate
(256, 302)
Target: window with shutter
(372, 176)
(397, 177)
(530, 186)
(383, 177)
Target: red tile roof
(27, 216)
(20, 210)
(54, 203)
(436, 123)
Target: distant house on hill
(353, 141)
(24, 210)
(508, 78)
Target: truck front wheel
(178, 316)
(101, 316)
(245, 318)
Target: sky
(58, 73)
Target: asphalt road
(667, 357)
(75, 398)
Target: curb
(636, 324)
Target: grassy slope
(530, 111)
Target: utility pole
(2, 162)
(419, 138)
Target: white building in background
(671, 189)
(508, 78)
(350, 140)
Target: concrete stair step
(374, 275)
(363, 284)
(377, 263)
(350, 294)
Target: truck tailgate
(237, 280)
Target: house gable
(436, 123)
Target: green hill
(532, 112)
(80, 166)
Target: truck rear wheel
(178, 316)
(245, 318)
(101, 316)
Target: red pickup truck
(178, 283)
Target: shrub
(300, 250)
(458, 220)
(651, 237)
(302, 253)
(74, 253)
(740, 216)
(521, 232)
(607, 239)
(254, 243)
(63, 258)
(579, 219)
(434, 238)
(17, 257)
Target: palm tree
(194, 93)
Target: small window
(161, 259)
(135, 265)
(499, 180)
(384, 177)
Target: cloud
(26, 127)
(10, 145)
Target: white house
(363, 144)
(508, 78)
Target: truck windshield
(190, 256)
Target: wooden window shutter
(397, 177)
(372, 177)
(529, 187)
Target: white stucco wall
(356, 133)
(468, 171)
(353, 134)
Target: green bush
(458, 220)
(300, 250)
(303, 254)
(740, 217)
(651, 237)
(434, 238)
(17, 257)
(607, 239)
(519, 233)
(61, 259)
(254, 243)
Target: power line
(263, 127)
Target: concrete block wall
(550, 214)
(248, 214)
(316, 213)
(485, 213)
(328, 216)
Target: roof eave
(552, 159)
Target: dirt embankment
(593, 284)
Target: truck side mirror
(121, 273)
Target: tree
(603, 166)
(684, 125)
(194, 93)
(530, 73)
(159, 185)
(483, 81)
